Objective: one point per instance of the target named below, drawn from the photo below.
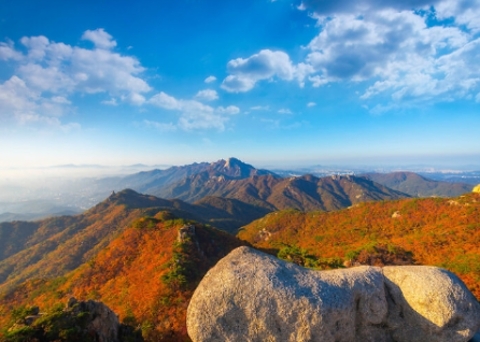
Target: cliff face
(258, 297)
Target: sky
(274, 83)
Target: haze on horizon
(275, 83)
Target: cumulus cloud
(100, 38)
(194, 114)
(399, 47)
(335, 7)
(265, 65)
(230, 110)
(311, 104)
(7, 52)
(418, 50)
(207, 95)
(26, 107)
(46, 73)
(210, 79)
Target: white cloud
(265, 65)
(230, 110)
(210, 79)
(393, 50)
(336, 7)
(17, 99)
(100, 38)
(399, 49)
(266, 108)
(311, 104)
(165, 101)
(50, 72)
(7, 51)
(466, 12)
(24, 106)
(111, 102)
(285, 111)
(61, 100)
(163, 127)
(207, 95)
(194, 114)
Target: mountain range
(144, 261)
(418, 186)
(231, 179)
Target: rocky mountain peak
(233, 168)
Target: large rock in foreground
(252, 296)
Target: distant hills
(418, 186)
(153, 181)
(51, 247)
(37, 249)
(232, 179)
(275, 193)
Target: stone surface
(251, 296)
(429, 303)
(104, 324)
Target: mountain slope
(438, 231)
(154, 181)
(54, 246)
(146, 274)
(274, 193)
(419, 186)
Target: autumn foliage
(145, 275)
(431, 231)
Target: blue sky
(270, 82)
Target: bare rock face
(251, 296)
(104, 324)
(429, 303)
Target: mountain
(53, 246)
(153, 181)
(34, 210)
(418, 186)
(9, 217)
(143, 256)
(146, 274)
(275, 193)
(443, 232)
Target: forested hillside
(434, 231)
(146, 275)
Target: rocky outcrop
(79, 321)
(103, 322)
(477, 189)
(252, 296)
